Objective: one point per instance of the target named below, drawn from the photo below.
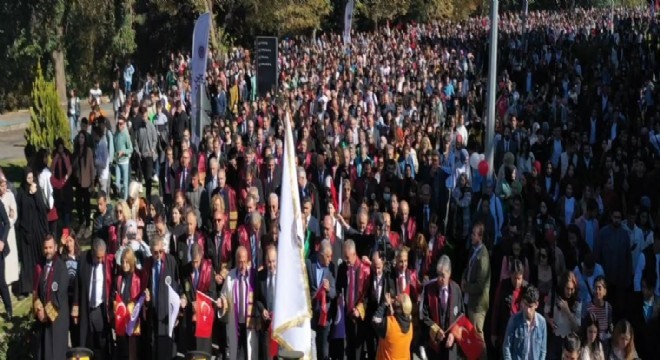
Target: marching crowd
(409, 235)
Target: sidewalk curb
(13, 127)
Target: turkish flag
(121, 316)
(273, 349)
(467, 338)
(204, 316)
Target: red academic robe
(231, 206)
(244, 233)
(410, 231)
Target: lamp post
(492, 84)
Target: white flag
(292, 313)
(200, 54)
(174, 305)
(348, 21)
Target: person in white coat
(242, 320)
(11, 261)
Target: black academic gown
(51, 338)
(205, 284)
(31, 229)
(81, 297)
(156, 327)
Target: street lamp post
(492, 84)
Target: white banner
(348, 21)
(200, 54)
(174, 305)
(293, 311)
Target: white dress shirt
(96, 282)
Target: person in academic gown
(238, 293)
(159, 271)
(92, 302)
(265, 299)
(320, 272)
(128, 286)
(50, 305)
(31, 227)
(196, 276)
(442, 305)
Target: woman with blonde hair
(622, 346)
(128, 287)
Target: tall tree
(378, 11)
(48, 121)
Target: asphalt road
(11, 145)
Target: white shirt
(96, 94)
(96, 282)
(46, 187)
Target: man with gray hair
(442, 304)
(92, 299)
(322, 291)
(352, 282)
(249, 236)
(307, 189)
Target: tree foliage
(378, 11)
(48, 121)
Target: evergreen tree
(48, 121)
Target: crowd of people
(553, 255)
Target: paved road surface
(11, 145)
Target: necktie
(443, 299)
(218, 247)
(44, 281)
(351, 287)
(196, 279)
(253, 249)
(92, 297)
(156, 280)
(271, 287)
(402, 284)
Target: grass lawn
(14, 335)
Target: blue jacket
(515, 340)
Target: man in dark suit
(271, 177)
(51, 305)
(92, 299)
(505, 145)
(167, 177)
(158, 272)
(183, 174)
(323, 292)
(307, 189)
(378, 285)
(212, 181)
(441, 306)
(426, 210)
(186, 240)
(265, 298)
(352, 282)
(195, 276)
(219, 250)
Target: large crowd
(551, 255)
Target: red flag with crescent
(204, 316)
(274, 347)
(470, 342)
(121, 316)
(321, 298)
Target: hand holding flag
(204, 315)
(465, 334)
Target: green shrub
(48, 121)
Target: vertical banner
(348, 21)
(200, 54)
(267, 66)
(292, 310)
